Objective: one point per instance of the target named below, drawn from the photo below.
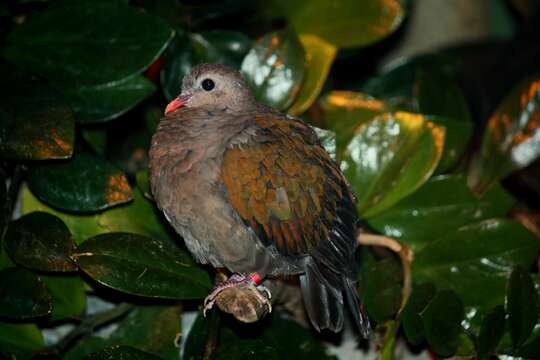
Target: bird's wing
(285, 186)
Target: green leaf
(280, 339)
(36, 123)
(457, 137)
(40, 241)
(142, 266)
(154, 329)
(103, 102)
(144, 184)
(86, 183)
(511, 140)
(475, 260)
(345, 23)
(442, 318)
(188, 50)
(23, 295)
(491, 333)
(87, 43)
(443, 204)
(344, 111)
(121, 352)
(382, 289)
(274, 69)
(85, 347)
(410, 316)
(389, 158)
(4, 216)
(123, 218)
(96, 138)
(319, 58)
(68, 296)
(20, 340)
(521, 305)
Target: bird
(252, 190)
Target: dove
(252, 191)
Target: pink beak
(177, 103)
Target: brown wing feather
(285, 186)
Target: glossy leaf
(68, 296)
(86, 183)
(346, 23)
(491, 333)
(458, 134)
(344, 111)
(142, 266)
(280, 339)
(36, 123)
(274, 69)
(442, 318)
(475, 260)
(411, 315)
(382, 289)
(521, 305)
(389, 158)
(121, 352)
(23, 295)
(511, 139)
(188, 50)
(40, 241)
(123, 218)
(319, 58)
(4, 217)
(20, 340)
(99, 103)
(443, 204)
(154, 329)
(144, 184)
(55, 43)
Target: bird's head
(215, 88)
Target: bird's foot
(251, 281)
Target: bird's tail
(324, 301)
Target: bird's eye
(208, 84)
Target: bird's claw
(240, 280)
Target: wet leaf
(475, 260)
(40, 241)
(442, 318)
(443, 204)
(123, 218)
(121, 352)
(274, 69)
(319, 58)
(511, 139)
(20, 340)
(55, 43)
(36, 123)
(142, 266)
(68, 295)
(491, 333)
(457, 137)
(23, 295)
(521, 305)
(345, 23)
(99, 103)
(389, 158)
(344, 111)
(188, 50)
(84, 184)
(153, 329)
(410, 316)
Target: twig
(88, 325)
(406, 256)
